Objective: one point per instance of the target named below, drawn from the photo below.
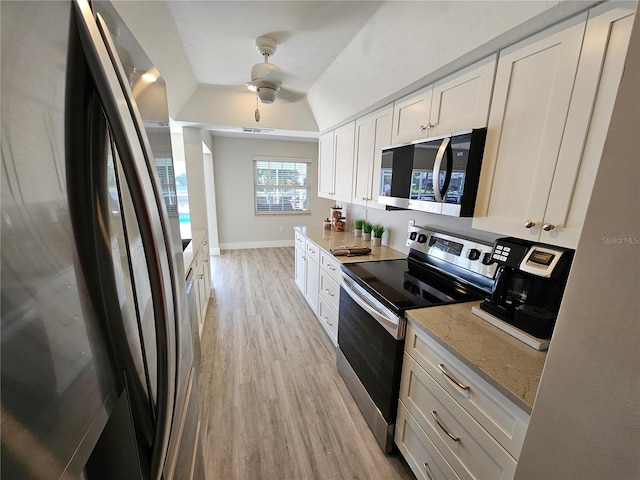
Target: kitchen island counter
(326, 239)
(511, 366)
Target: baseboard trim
(261, 244)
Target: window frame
(283, 160)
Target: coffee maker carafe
(529, 285)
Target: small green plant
(377, 230)
(366, 227)
(359, 223)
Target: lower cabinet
(317, 275)
(451, 423)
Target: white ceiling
(219, 37)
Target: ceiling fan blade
(290, 96)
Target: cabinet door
(599, 73)
(461, 101)
(325, 165)
(313, 284)
(344, 144)
(534, 82)
(373, 133)
(301, 270)
(411, 116)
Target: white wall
(585, 422)
(238, 225)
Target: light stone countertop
(326, 239)
(509, 365)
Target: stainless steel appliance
(437, 175)
(98, 367)
(528, 290)
(441, 269)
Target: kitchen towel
(350, 251)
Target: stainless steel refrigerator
(98, 359)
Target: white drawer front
(300, 240)
(470, 450)
(420, 453)
(329, 320)
(330, 264)
(504, 420)
(313, 251)
(329, 290)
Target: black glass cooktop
(405, 284)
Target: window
(281, 185)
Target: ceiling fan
(266, 78)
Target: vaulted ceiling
(340, 58)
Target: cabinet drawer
(420, 453)
(329, 320)
(329, 290)
(504, 420)
(312, 251)
(329, 263)
(300, 240)
(470, 450)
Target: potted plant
(366, 230)
(377, 230)
(357, 227)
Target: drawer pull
(426, 470)
(452, 437)
(331, 267)
(327, 320)
(462, 386)
(329, 292)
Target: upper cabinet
(335, 163)
(455, 103)
(550, 111)
(373, 133)
(326, 166)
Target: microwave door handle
(120, 110)
(437, 193)
(447, 177)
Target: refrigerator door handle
(136, 157)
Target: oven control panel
(463, 252)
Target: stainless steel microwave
(437, 175)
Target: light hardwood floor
(273, 404)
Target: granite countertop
(326, 239)
(509, 365)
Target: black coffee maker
(529, 285)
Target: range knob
(474, 254)
(413, 235)
(486, 259)
(422, 238)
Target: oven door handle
(392, 323)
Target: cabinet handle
(328, 292)
(460, 385)
(423, 128)
(327, 320)
(426, 470)
(452, 437)
(529, 224)
(547, 227)
(430, 126)
(200, 277)
(331, 267)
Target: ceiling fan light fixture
(267, 94)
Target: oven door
(370, 346)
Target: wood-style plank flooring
(273, 404)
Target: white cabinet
(551, 106)
(326, 186)
(317, 275)
(201, 268)
(307, 269)
(373, 133)
(451, 419)
(457, 102)
(335, 164)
